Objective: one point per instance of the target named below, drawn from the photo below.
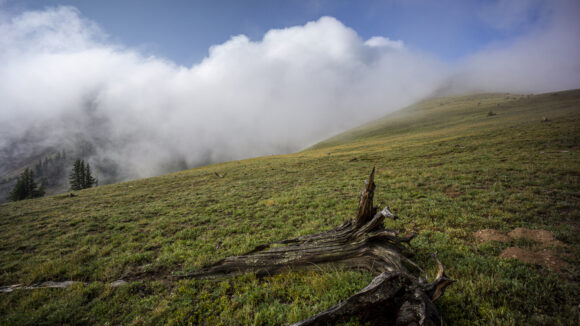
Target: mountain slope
(445, 166)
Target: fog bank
(62, 84)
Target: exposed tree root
(394, 297)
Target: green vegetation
(444, 166)
(80, 176)
(26, 187)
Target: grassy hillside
(445, 166)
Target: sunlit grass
(444, 166)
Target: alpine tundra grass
(445, 166)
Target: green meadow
(447, 167)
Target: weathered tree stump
(395, 297)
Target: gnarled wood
(395, 297)
(392, 298)
(366, 210)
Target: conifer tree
(26, 187)
(81, 177)
(19, 190)
(89, 180)
(75, 182)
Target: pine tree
(89, 180)
(19, 190)
(75, 182)
(26, 187)
(81, 177)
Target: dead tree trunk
(395, 297)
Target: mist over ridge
(63, 85)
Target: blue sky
(182, 31)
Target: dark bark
(392, 298)
(395, 297)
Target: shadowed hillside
(448, 167)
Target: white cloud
(62, 80)
(379, 41)
(292, 88)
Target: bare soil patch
(545, 257)
(545, 237)
(490, 235)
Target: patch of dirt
(546, 258)
(490, 235)
(545, 237)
